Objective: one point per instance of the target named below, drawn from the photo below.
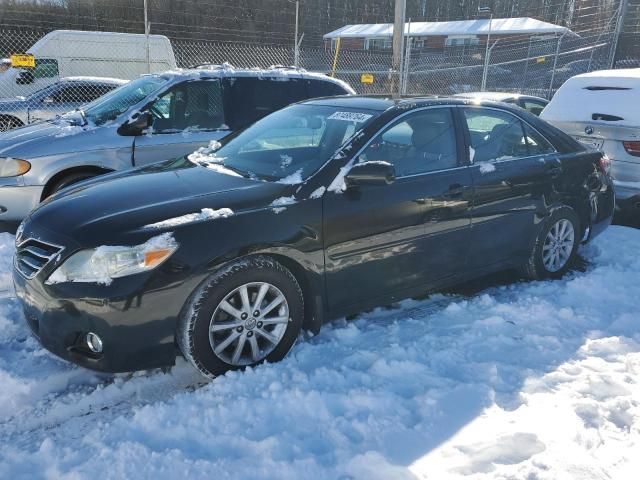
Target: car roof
(226, 70)
(382, 102)
(497, 96)
(102, 80)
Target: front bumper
(137, 328)
(135, 316)
(16, 199)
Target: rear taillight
(632, 148)
(604, 164)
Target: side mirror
(137, 125)
(371, 173)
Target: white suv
(601, 110)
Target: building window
(377, 44)
(461, 40)
(418, 42)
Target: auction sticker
(350, 116)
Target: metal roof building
(462, 32)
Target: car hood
(128, 201)
(44, 138)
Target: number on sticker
(350, 116)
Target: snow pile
(206, 154)
(318, 192)
(281, 203)
(293, 179)
(486, 167)
(204, 214)
(69, 130)
(522, 381)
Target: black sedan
(320, 210)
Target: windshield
(118, 101)
(288, 145)
(43, 92)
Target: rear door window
(494, 135)
(250, 99)
(536, 143)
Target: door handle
(455, 191)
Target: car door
(384, 241)
(513, 168)
(187, 116)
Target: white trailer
(65, 53)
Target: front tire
(245, 314)
(71, 179)
(555, 247)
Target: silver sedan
(63, 96)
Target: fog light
(94, 342)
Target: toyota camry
(319, 210)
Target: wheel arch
(6, 116)
(313, 312)
(51, 182)
(310, 282)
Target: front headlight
(103, 264)
(12, 167)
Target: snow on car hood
(46, 138)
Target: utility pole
(622, 11)
(296, 49)
(146, 32)
(398, 38)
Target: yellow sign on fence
(541, 59)
(25, 60)
(366, 78)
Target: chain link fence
(71, 71)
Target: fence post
(146, 32)
(335, 57)
(296, 48)
(555, 63)
(406, 62)
(487, 52)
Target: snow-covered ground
(533, 380)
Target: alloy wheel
(248, 324)
(558, 245)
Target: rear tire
(245, 314)
(555, 247)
